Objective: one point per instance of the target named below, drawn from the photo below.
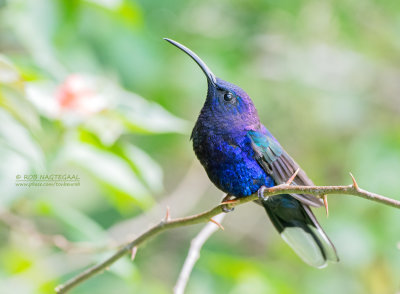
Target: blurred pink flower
(79, 95)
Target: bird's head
(225, 101)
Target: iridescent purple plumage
(242, 157)
(221, 143)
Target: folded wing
(279, 165)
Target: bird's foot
(226, 203)
(260, 192)
(262, 189)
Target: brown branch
(207, 215)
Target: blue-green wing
(279, 165)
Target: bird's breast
(229, 161)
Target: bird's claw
(226, 209)
(260, 192)
(225, 203)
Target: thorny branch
(206, 216)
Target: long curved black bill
(210, 76)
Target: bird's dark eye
(228, 96)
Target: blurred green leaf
(83, 227)
(126, 10)
(16, 261)
(109, 169)
(12, 96)
(17, 138)
(140, 115)
(9, 74)
(19, 153)
(147, 169)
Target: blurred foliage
(324, 76)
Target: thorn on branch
(133, 253)
(228, 199)
(167, 215)
(217, 223)
(355, 185)
(325, 197)
(230, 202)
(292, 177)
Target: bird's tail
(298, 226)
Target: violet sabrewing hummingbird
(242, 157)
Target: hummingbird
(241, 157)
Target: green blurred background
(90, 88)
